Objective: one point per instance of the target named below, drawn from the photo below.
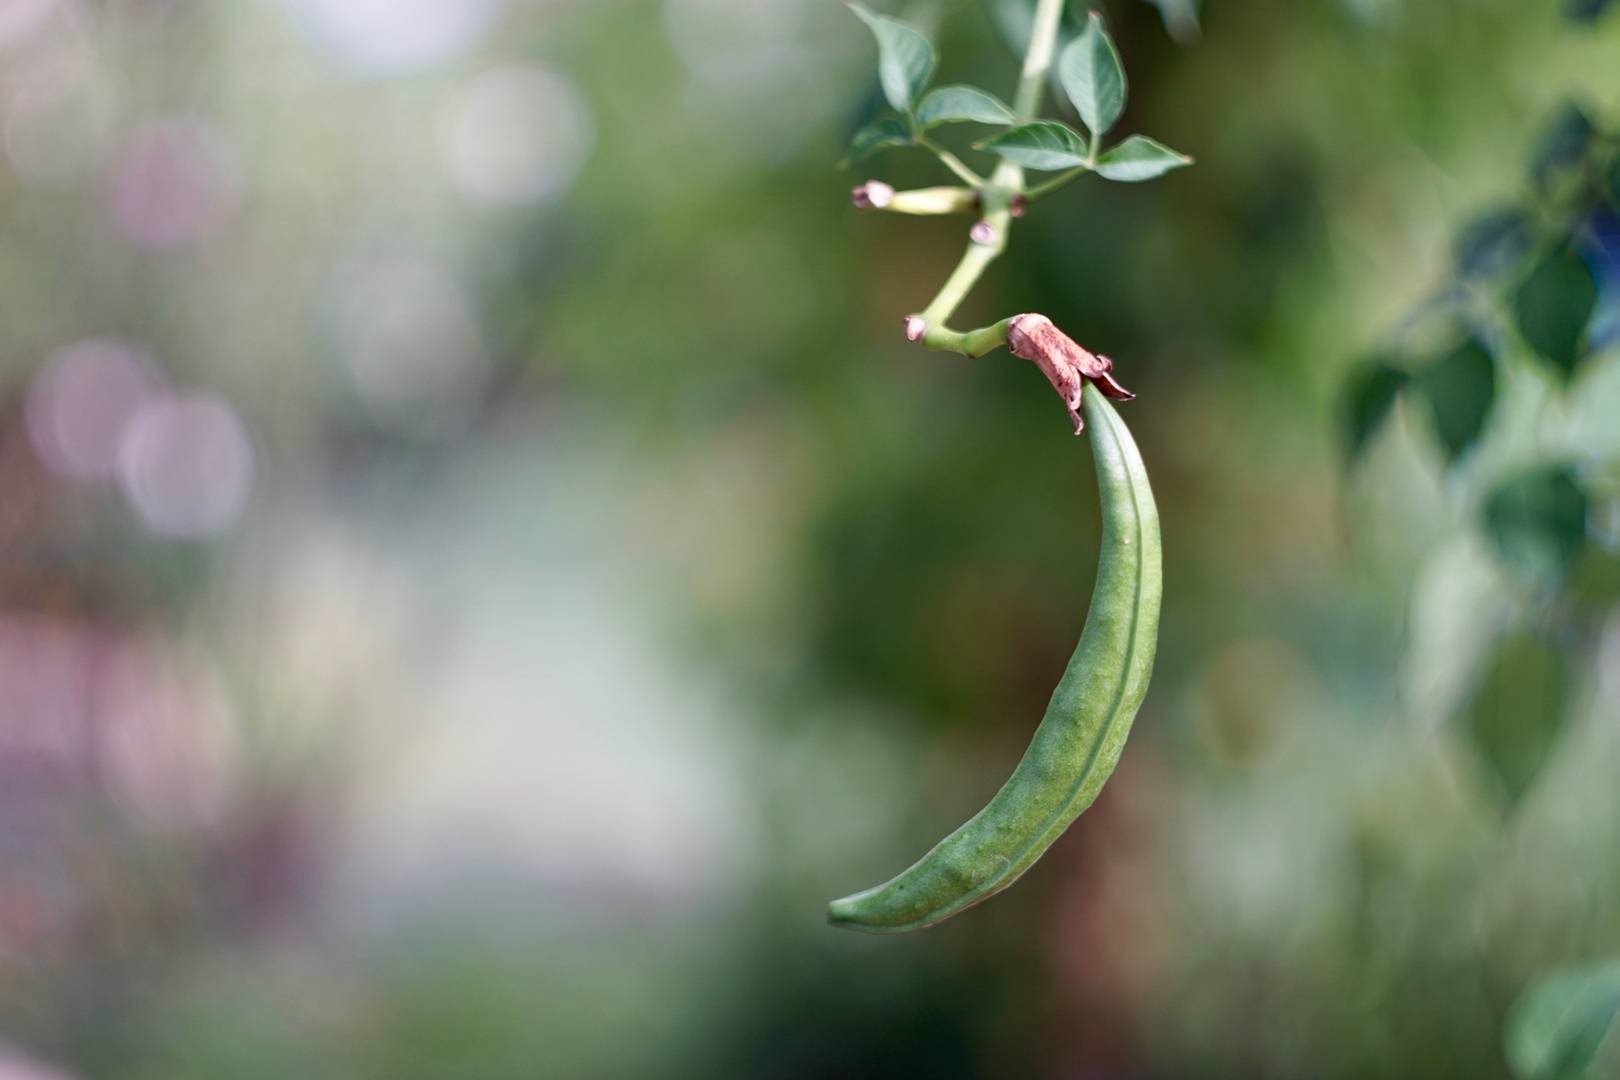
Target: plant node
(872, 195)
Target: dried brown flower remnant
(1066, 365)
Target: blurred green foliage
(550, 723)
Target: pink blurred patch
(15, 1065)
(81, 402)
(19, 18)
(82, 707)
(173, 185)
(164, 746)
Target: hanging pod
(1079, 741)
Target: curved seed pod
(1079, 741)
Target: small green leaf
(1139, 158)
(906, 58)
(1537, 520)
(880, 134)
(1518, 711)
(1369, 395)
(1093, 76)
(1045, 144)
(1554, 304)
(957, 104)
(1462, 388)
(1558, 1027)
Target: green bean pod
(1078, 742)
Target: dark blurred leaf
(1557, 1028)
(1139, 158)
(1462, 388)
(1586, 11)
(880, 134)
(1045, 144)
(1554, 305)
(906, 57)
(1492, 243)
(1594, 580)
(1180, 18)
(954, 104)
(1538, 522)
(1094, 77)
(1563, 146)
(1369, 394)
(1518, 710)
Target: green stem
(966, 275)
(952, 162)
(990, 234)
(1041, 191)
(1037, 60)
(973, 343)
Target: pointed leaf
(1555, 304)
(1093, 76)
(1518, 711)
(880, 134)
(1045, 144)
(1558, 1027)
(906, 58)
(956, 104)
(1369, 395)
(1139, 158)
(1537, 520)
(1462, 388)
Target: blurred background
(480, 566)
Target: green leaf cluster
(1089, 69)
(907, 61)
(1458, 387)
(1093, 77)
(1521, 279)
(1520, 305)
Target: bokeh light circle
(171, 186)
(81, 402)
(411, 344)
(516, 135)
(19, 18)
(186, 466)
(737, 45)
(391, 37)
